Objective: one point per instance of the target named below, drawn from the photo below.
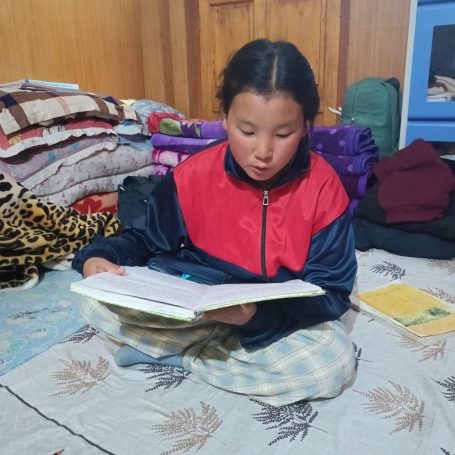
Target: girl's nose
(263, 150)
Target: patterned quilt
(402, 401)
(20, 109)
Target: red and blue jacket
(208, 219)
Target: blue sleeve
(332, 265)
(160, 228)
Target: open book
(410, 308)
(165, 295)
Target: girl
(257, 207)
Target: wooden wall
(171, 53)
(375, 38)
(149, 48)
(96, 43)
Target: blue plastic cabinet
(430, 57)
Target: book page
(146, 284)
(223, 295)
(146, 290)
(138, 304)
(415, 310)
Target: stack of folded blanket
(351, 151)
(134, 148)
(174, 139)
(71, 147)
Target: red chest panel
(223, 215)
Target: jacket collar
(298, 165)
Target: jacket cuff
(95, 249)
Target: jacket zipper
(265, 203)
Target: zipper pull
(265, 199)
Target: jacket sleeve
(160, 228)
(332, 265)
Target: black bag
(133, 195)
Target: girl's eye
(283, 135)
(247, 133)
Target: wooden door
(225, 25)
(314, 27)
(298, 21)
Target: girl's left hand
(236, 315)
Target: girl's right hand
(95, 265)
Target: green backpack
(375, 102)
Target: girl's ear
(224, 122)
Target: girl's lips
(259, 173)
(260, 169)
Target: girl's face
(264, 132)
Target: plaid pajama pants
(315, 362)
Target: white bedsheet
(402, 401)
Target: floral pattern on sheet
(449, 388)
(289, 422)
(102, 163)
(430, 351)
(104, 184)
(79, 376)
(440, 294)
(397, 402)
(359, 356)
(83, 335)
(448, 266)
(34, 166)
(390, 270)
(166, 376)
(189, 429)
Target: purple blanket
(179, 144)
(350, 164)
(356, 185)
(343, 140)
(352, 206)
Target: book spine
(52, 84)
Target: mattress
(73, 396)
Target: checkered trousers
(315, 362)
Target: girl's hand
(236, 315)
(95, 265)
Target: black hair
(264, 67)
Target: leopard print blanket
(34, 232)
